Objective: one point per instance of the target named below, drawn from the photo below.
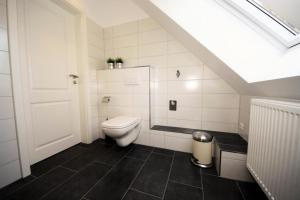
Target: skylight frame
(267, 21)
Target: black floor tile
(166, 152)
(53, 161)
(92, 145)
(183, 171)
(6, 191)
(43, 184)
(176, 191)
(211, 171)
(94, 154)
(138, 154)
(113, 154)
(251, 191)
(81, 161)
(115, 184)
(79, 184)
(134, 195)
(154, 175)
(216, 188)
(143, 147)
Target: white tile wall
(204, 100)
(9, 162)
(96, 61)
(4, 62)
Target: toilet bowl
(123, 129)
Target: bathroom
(125, 99)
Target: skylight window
(279, 18)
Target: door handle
(74, 76)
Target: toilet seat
(120, 126)
(120, 122)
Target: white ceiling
(112, 12)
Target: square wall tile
(125, 29)
(4, 63)
(186, 73)
(154, 49)
(185, 87)
(8, 130)
(108, 33)
(152, 36)
(148, 24)
(3, 16)
(219, 126)
(127, 52)
(217, 86)
(157, 139)
(182, 59)
(185, 123)
(220, 115)
(178, 144)
(186, 113)
(221, 101)
(5, 86)
(209, 74)
(160, 74)
(6, 107)
(108, 44)
(10, 173)
(125, 41)
(155, 61)
(160, 87)
(8, 152)
(3, 39)
(175, 47)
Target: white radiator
(274, 148)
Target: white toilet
(123, 129)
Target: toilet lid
(120, 122)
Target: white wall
(205, 101)
(9, 156)
(95, 62)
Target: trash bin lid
(202, 136)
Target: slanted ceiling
(287, 87)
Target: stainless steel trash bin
(202, 149)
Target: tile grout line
(138, 173)
(171, 167)
(72, 170)
(198, 187)
(133, 189)
(162, 154)
(112, 167)
(237, 184)
(201, 175)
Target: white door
(52, 106)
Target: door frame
(18, 63)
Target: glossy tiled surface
(105, 171)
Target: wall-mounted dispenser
(173, 105)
